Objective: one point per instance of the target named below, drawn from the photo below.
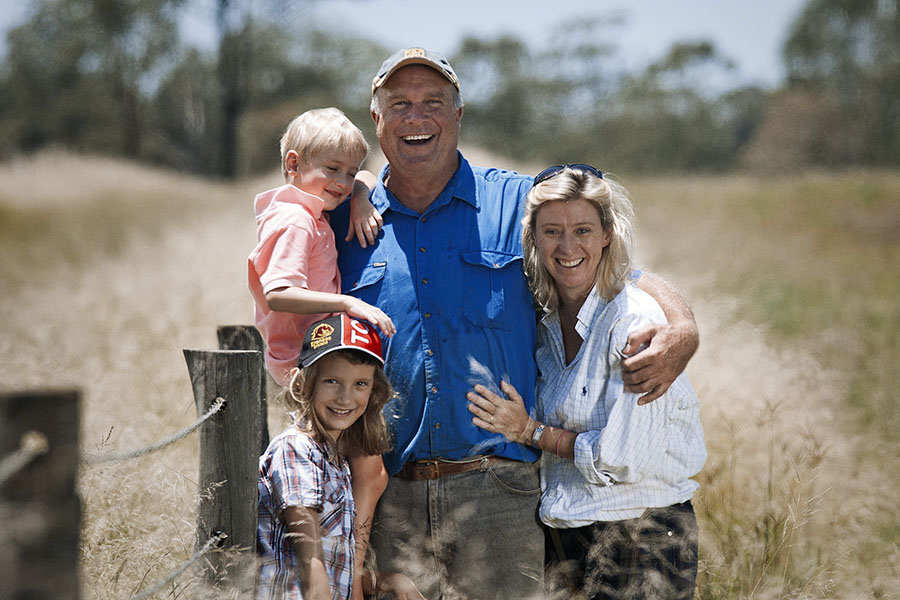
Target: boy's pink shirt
(295, 248)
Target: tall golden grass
(796, 284)
(109, 269)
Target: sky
(750, 32)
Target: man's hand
(657, 355)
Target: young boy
(293, 274)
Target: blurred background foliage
(114, 77)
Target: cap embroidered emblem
(321, 335)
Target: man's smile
(417, 139)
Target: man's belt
(417, 470)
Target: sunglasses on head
(556, 170)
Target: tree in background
(575, 101)
(184, 119)
(671, 118)
(113, 76)
(846, 55)
(85, 64)
(498, 111)
(533, 106)
(130, 42)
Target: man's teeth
(416, 138)
(571, 263)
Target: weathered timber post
(247, 337)
(229, 443)
(39, 507)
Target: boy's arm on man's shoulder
(365, 221)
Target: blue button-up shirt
(451, 279)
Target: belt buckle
(430, 468)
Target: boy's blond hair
(323, 131)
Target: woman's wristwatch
(536, 436)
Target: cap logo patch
(414, 53)
(321, 335)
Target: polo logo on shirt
(321, 335)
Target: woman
(615, 487)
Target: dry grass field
(110, 269)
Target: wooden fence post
(229, 458)
(247, 337)
(39, 507)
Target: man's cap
(414, 56)
(339, 332)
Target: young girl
(306, 510)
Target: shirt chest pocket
(365, 283)
(490, 280)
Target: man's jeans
(471, 535)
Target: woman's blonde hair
(369, 433)
(613, 204)
(323, 131)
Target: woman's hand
(499, 415)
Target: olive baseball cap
(414, 56)
(339, 332)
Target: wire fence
(218, 405)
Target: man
(459, 513)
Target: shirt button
(429, 352)
(422, 249)
(437, 425)
(423, 219)
(427, 315)
(424, 281)
(433, 390)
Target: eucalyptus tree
(78, 71)
(848, 52)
